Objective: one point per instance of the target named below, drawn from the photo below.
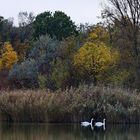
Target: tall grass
(117, 105)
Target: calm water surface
(67, 132)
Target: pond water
(67, 132)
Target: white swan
(87, 123)
(99, 124)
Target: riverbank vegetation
(117, 105)
(45, 59)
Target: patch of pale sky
(80, 11)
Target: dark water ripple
(67, 132)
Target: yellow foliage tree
(93, 59)
(8, 57)
(99, 34)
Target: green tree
(62, 75)
(24, 75)
(57, 25)
(6, 29)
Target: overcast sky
(81, 11)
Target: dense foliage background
(76, 71)
(49, 51)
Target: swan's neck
(104, 122)
(91, 121)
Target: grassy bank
(115, 104)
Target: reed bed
(73, 105)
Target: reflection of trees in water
(67, 132)
(23, 132)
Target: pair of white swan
(97, 124)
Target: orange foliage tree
(8, 57)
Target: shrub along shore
(117, 105)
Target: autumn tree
(93, 59)
(22, 50)
(8, 57)
(99, 33)
(96, 56)
(126, 13)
